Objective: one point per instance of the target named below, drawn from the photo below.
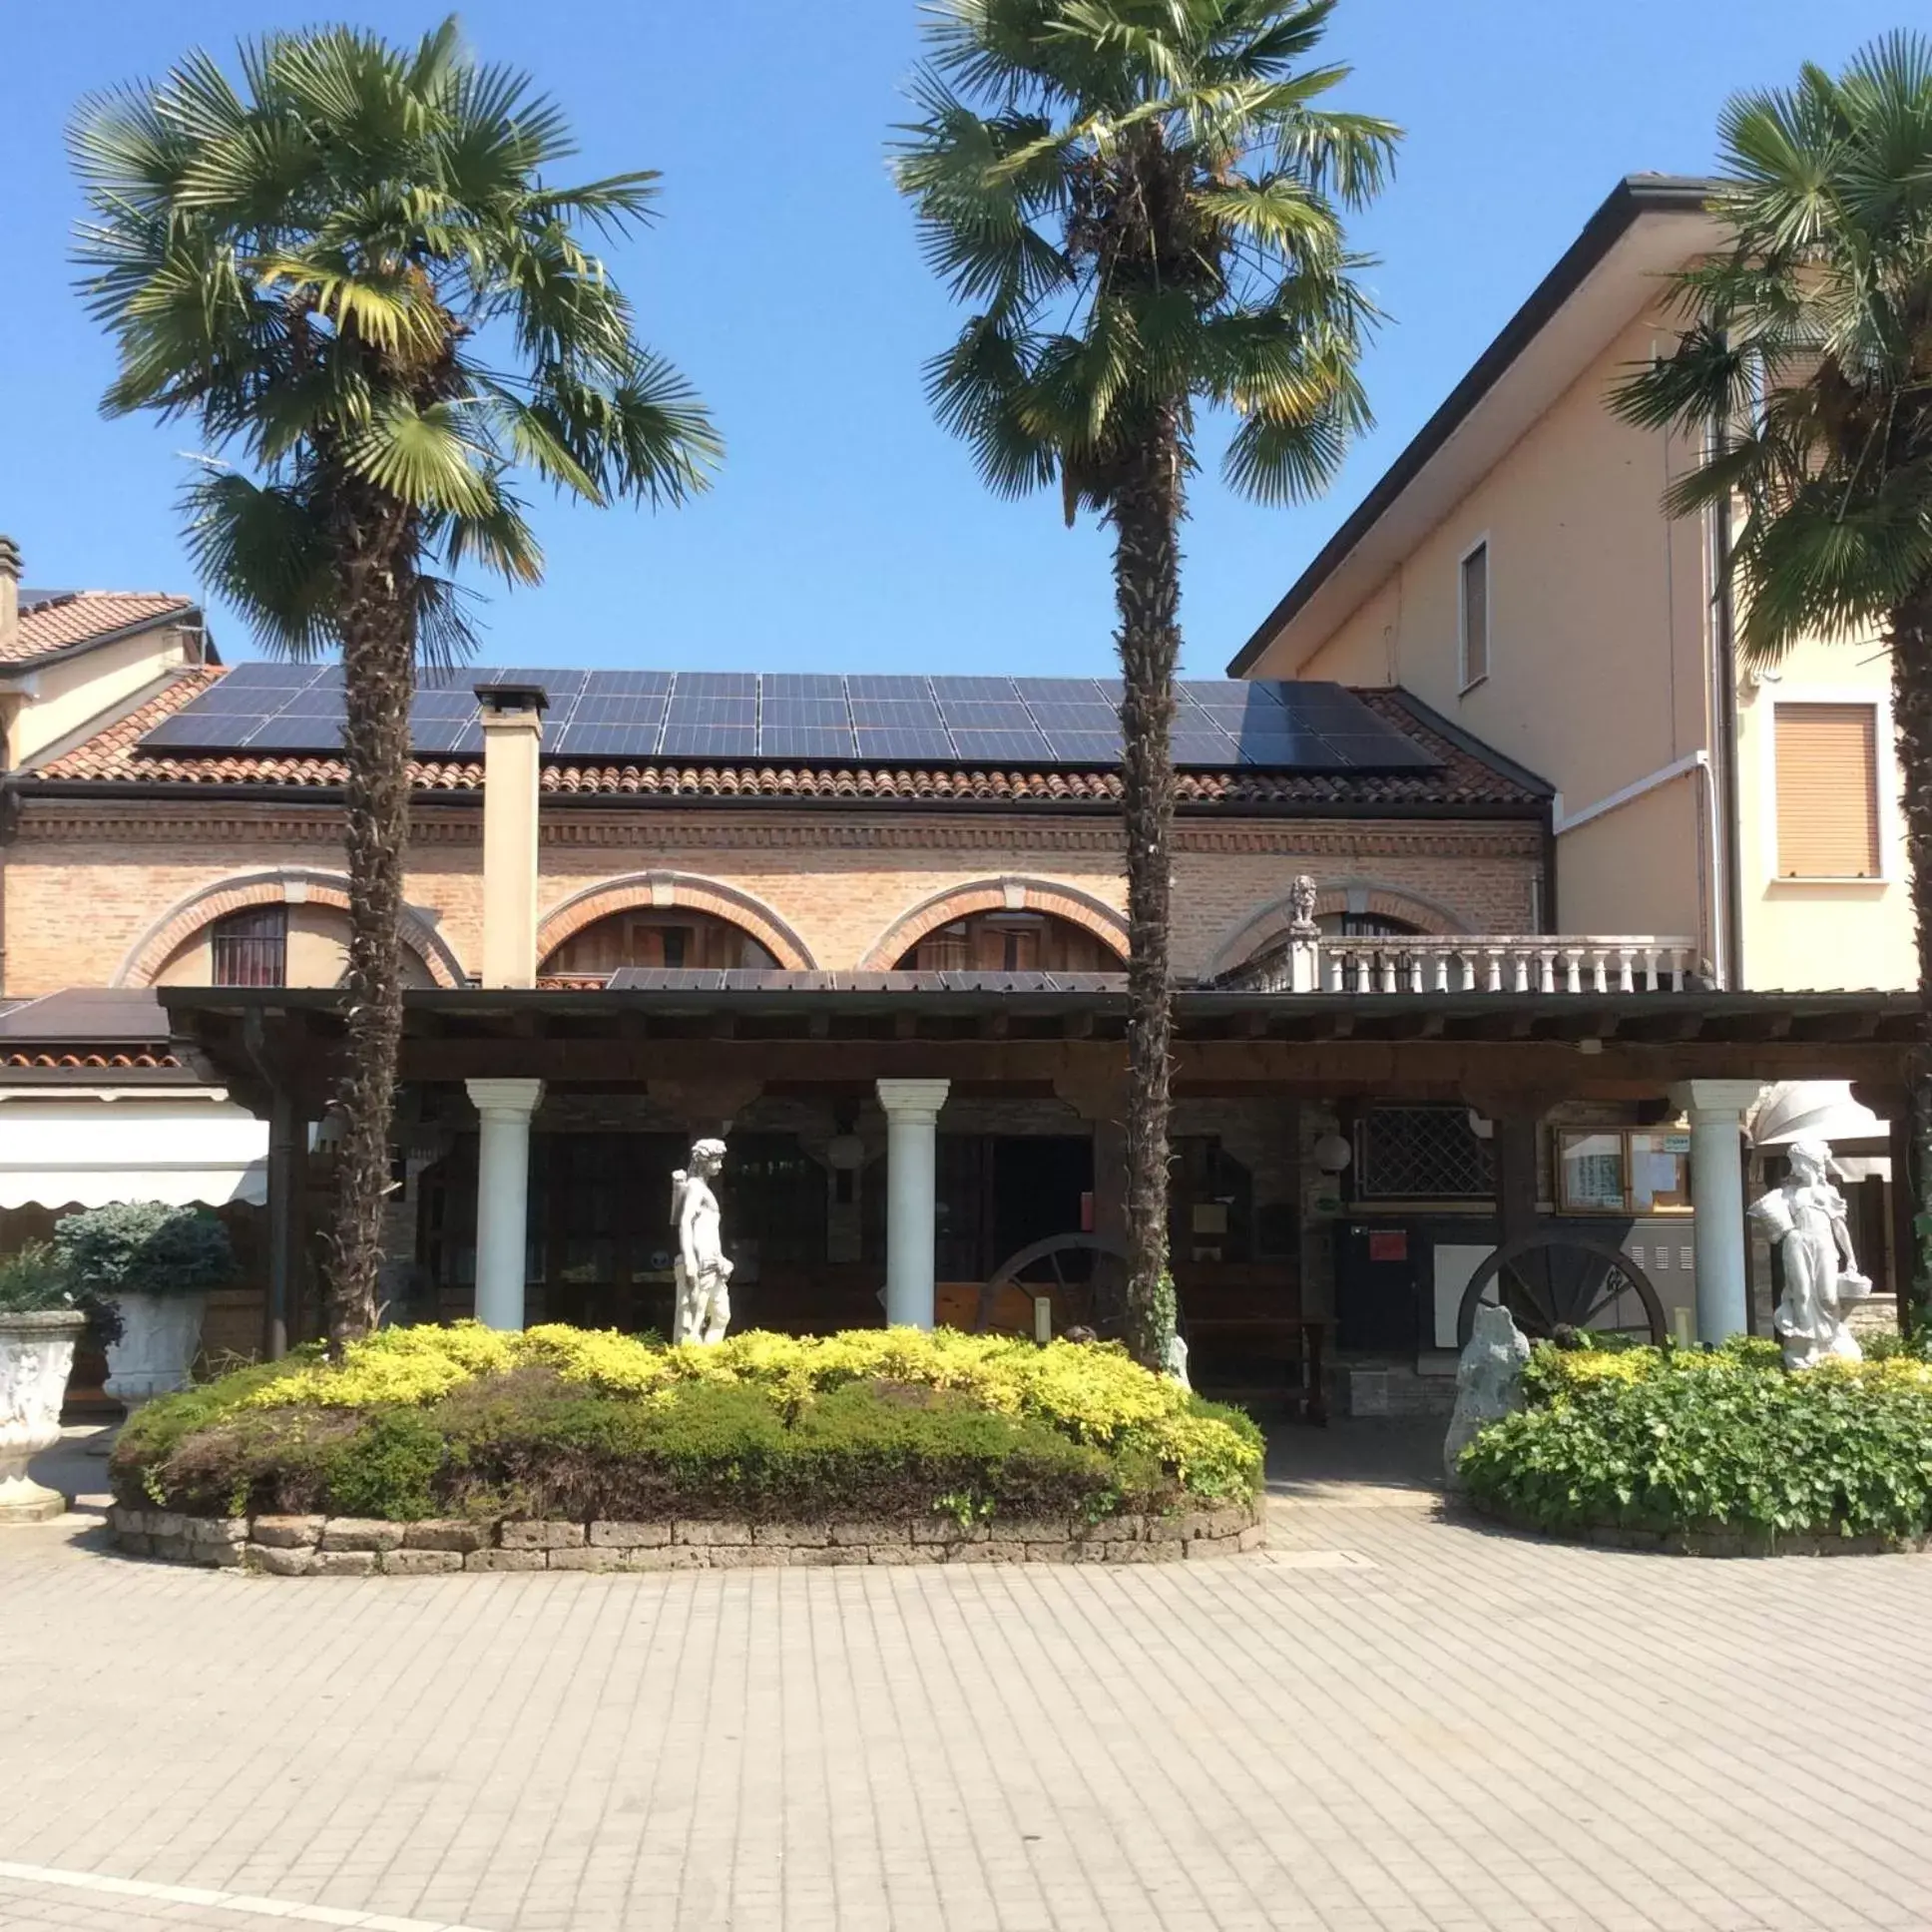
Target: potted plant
(155, 1265)
(41, 1318)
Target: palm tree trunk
(379, 677)
(1911, 641)
(1145, 513)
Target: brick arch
(186, 917)
(994, 895)
(687, 889)
(1261, 927)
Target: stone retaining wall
(313, 1546)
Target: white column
(1717, 1110)
(502, 1197)
(911, 1222)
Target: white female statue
(1803, 1218)
(703, 1274)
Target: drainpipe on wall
(9, 624)
(511, 738)
(1729, 912)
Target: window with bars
(1421, 1153)
(251, 948)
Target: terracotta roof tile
(1463, 777)
(71, 617)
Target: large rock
(1489, 1383)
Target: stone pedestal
(160, 1334)
(36, 1351)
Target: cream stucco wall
(58, 698)
(1846, 934)
(1600, 678)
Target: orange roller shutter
(1827, 792)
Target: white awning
(130, 1144)
(1816, 1109)
(1863, 1167)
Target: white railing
(1478, 963)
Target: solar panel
(716, 684)
(1085, 747)
(902, 742)
(604, 742)
(267, 706)
(978, 715)
(890, 690)
(1020, 748)
(807, 742)
(1066, 691)
(632, 708)
(626, 684)
(204, 732)
(788, 685)
(1386, 750)
(966, 691)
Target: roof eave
(1632, 197)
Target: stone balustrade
(1475, 963)
(344, 1546)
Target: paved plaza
(1391, 1720)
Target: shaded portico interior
(537, 1127)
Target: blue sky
(847, 532)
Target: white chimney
(9, 589)
(512, 717)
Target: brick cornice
(163, 823)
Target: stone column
(502, 1197)
(1717, 1110)
(911, 1127)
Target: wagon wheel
(1565, 1280)
(1041, 1268)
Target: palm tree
(1142, 201)
(351, 275)
(1805, 364)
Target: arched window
(251, 948)
(658, 936)
(1363, 925)
(1010, 942)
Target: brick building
(868, 958)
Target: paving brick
(1375, 1724)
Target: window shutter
(1827, 792)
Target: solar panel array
(270, 708)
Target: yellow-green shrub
(1094, 1396)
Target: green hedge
(1672, 1440)
(543, 1426)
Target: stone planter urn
(159, 1336)
(36, 1351)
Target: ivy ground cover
(1690, 1440)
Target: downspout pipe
(1731, 906)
